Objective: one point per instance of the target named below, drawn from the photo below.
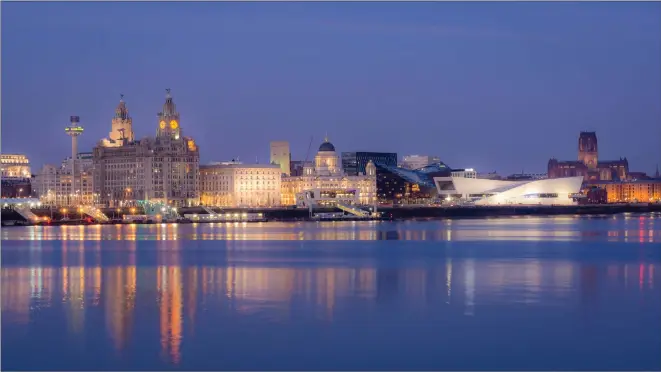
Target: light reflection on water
(620, 228)
(270, 304)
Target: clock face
(174, 124)
(162, 124)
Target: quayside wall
(394, 213)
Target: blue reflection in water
(536, 293)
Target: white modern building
(558, 191)
(418, 161)
(233, 184)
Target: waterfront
(509, 293)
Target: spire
(169, 107)
(657, 175)
(326, 137)
(121, 112)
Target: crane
(307, 155)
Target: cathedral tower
(587, 149)
(168, 119)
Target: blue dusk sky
(494, 86)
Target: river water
(528, 293)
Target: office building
(16, 166)
(297, 168)
(355, 163)
(162, 169)
(84, 160)
(465, 173)
(399, 185)
(16, 176)
(233, 184)
(418, 161)
(54, 186)
(281, 155)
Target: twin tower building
(164, 168)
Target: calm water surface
(529, 293)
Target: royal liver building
(161, 169)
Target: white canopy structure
(556, 191)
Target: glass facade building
(354, 163)
(404, 186)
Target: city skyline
(481, 73)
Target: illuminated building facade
(637, 191)
(355, 163)
(326, 176)
(121, 132)
(16, 176)
(234, 184)
(281, 155)
(588, 165)
(399, 185)
(558, 191)
(15, 166)
(53, 185)
(163, 169)
(594, 195)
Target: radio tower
(74, 130)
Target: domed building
(324, 183)
(327, 162)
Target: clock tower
(168, 119)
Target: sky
(492, 86)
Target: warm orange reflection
(191, 294)
(41, 282)
(119, 301)
(643, 228)
(170, 302)
(254, 288)
(16, 295)
(95, 275)
(459, 284)
(73, 293)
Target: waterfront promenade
(56, 216)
